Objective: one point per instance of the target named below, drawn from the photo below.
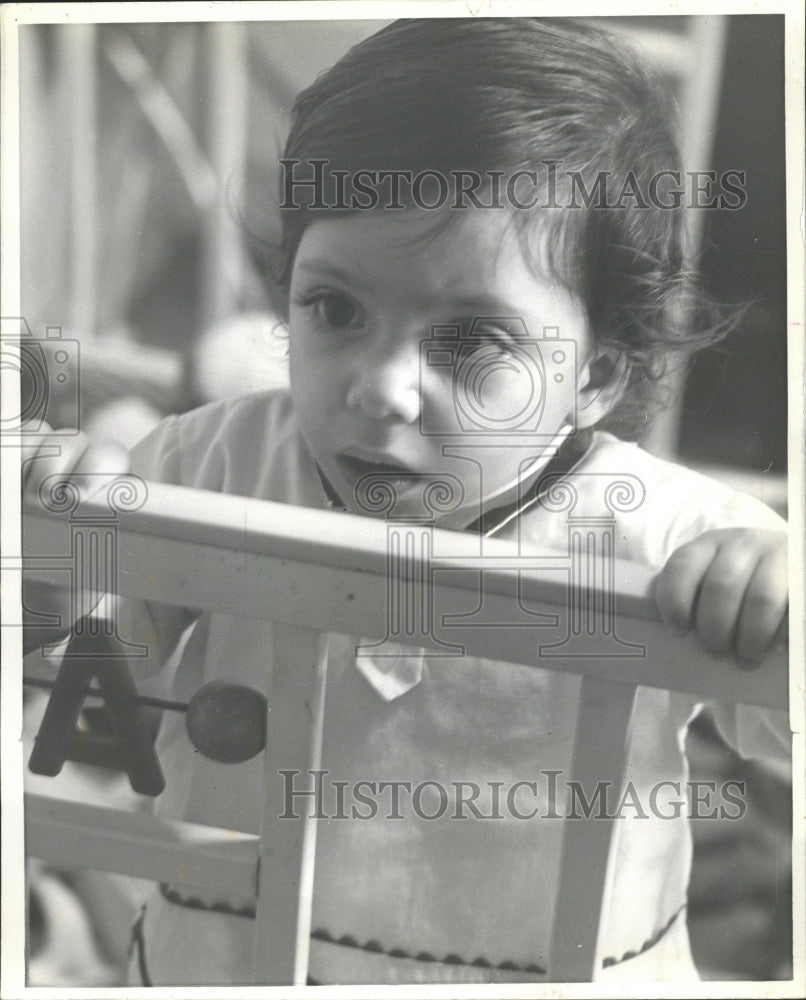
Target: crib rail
(313, 572)
(253, 559)
(139, 844)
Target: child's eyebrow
(460, 304)
(322, 266)
(484, 306)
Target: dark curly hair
(510, 94)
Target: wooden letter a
(130, 748)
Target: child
(521, 121)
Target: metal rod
(141, 699)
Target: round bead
(227, 722)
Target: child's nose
(387, 387)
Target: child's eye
(492, 336)
(334, 309)
(337, 310)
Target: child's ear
(602, 382)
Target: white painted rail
(315, 572)
(253, 559)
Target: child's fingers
(764, 609)
(675, 589)
(722, 593)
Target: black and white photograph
(403, 499)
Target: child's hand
(731, 587)
(72, 457)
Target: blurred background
(148, 149)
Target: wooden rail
(86, 836)
(252, 559)
(314, 572)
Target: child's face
(365, 293)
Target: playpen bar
(139, 844)
(288, 845)
(600, 751)
(256, 559)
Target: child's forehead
(476, 244)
